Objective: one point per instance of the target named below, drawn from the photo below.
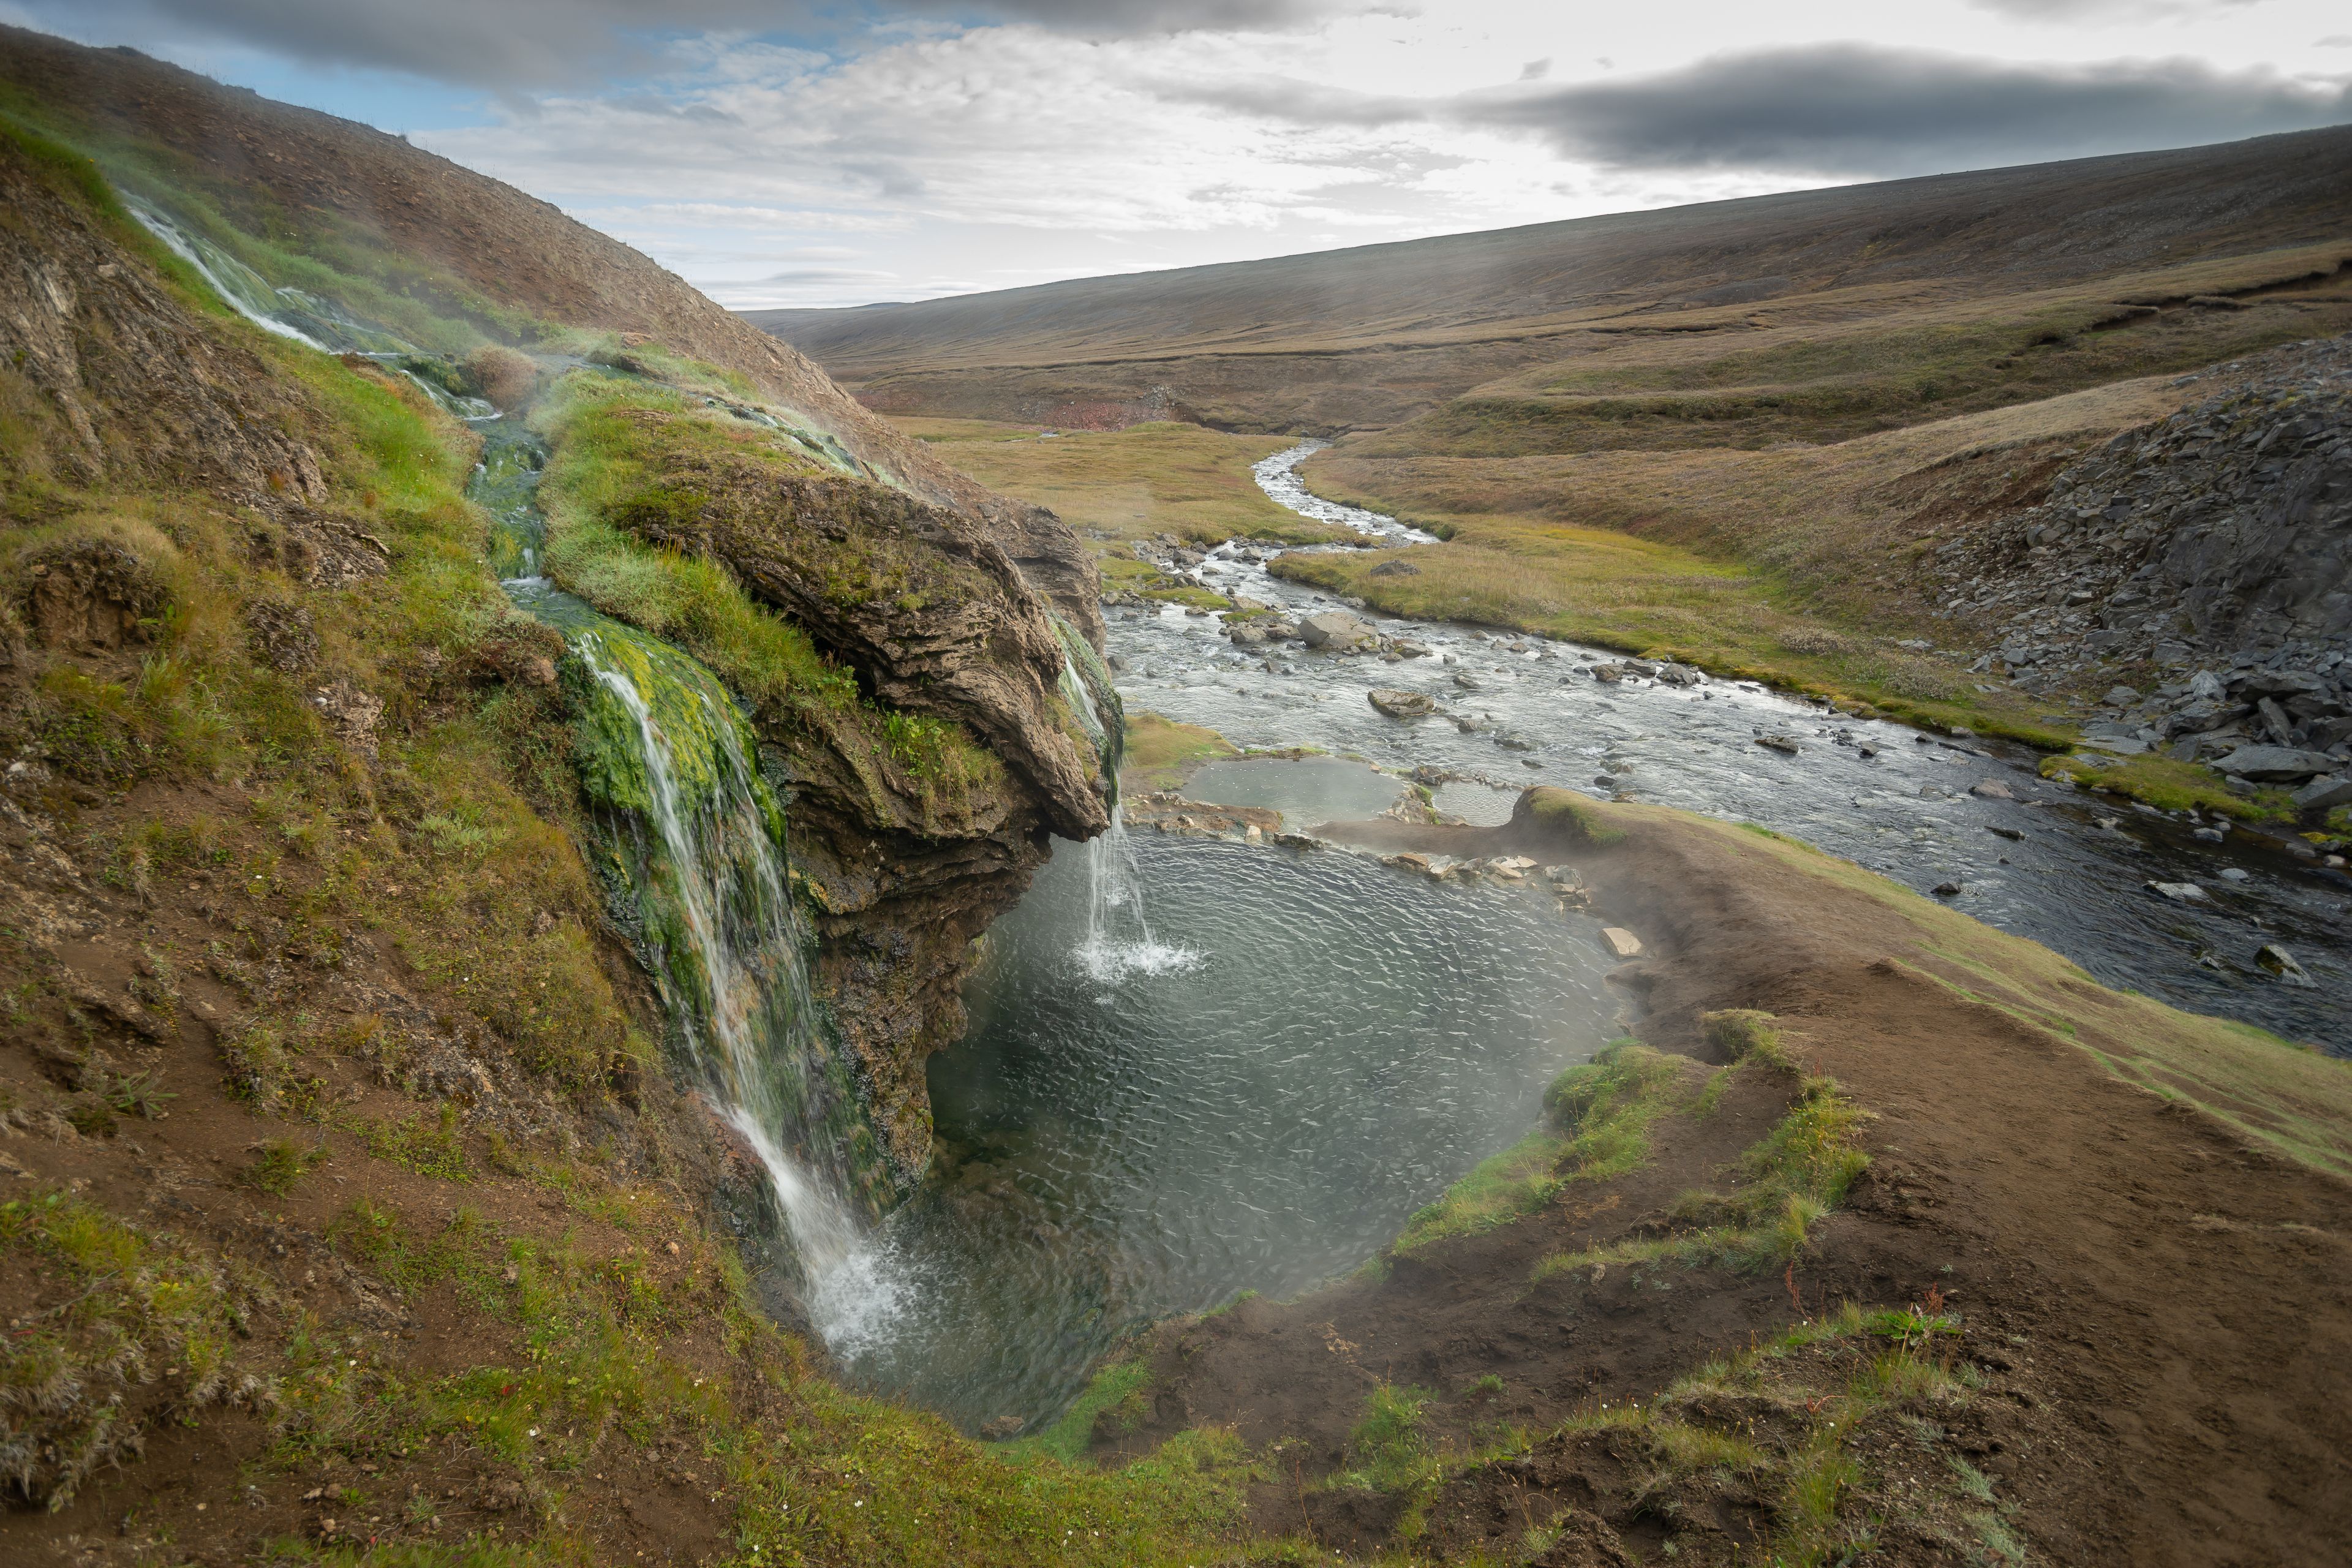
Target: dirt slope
(2158, 1308)
(513, 248)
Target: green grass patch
(1117, 1391)
(1793, 1176)
(1116, 486)
(1162, 754)
(1597, 1118)
(2167, 784)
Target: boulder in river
(1336, 631)
(1607, 674)
(1405, 647)
(1620, 941)
(1398, 704)
(2280, 963)
(1993, 789)
(1679, 675)
(1245, 634)
(2275, 764)
(1949, 889)
(1467, 681)
(1784, 744)
(2179, 892)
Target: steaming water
(2075, 881)
(1346, 1041)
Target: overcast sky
(832, 152)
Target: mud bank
(2125, 1224)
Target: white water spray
(1118, 940)
(731, 889)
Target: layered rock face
(934, 619)
(2216, 545)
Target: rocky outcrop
(2218, 540)
(141, 393)
(2215, 547)
(917, 599)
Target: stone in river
(1784, 744)
(2009, 833)
(1336, 631)
(1947, 889)
(1246, 634)
(2236, 874)
(1401, 704)
(2181, 893)
(1620, 941)
(1607, 674)
(1678, 675)
(2280, 963)
(1467, 681)
(1992, 789)
(1404, 647)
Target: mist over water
(1123, 1143)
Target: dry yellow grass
(1119, 486)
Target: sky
(832, 153)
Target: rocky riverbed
(2071, 868)
(2206, 559)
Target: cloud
(520, 45)
(2079, 10)
(1857, 109)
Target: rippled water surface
(1348, 1040)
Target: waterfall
(1118, 941)
(695, 835)
(700, 835)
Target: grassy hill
(1984, 270)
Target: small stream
(2067, 869)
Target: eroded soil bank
(2103, 1240)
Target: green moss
(1597, 1116)
(1572, 814)
(1117, 1392)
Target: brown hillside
(1374, 335)
(262, 158)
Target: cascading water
(696, 837)
(1118, 940)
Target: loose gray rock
(2274, 764)
(2280, 963)
(2324, 794)
(1398, 704)
(1336, 631)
